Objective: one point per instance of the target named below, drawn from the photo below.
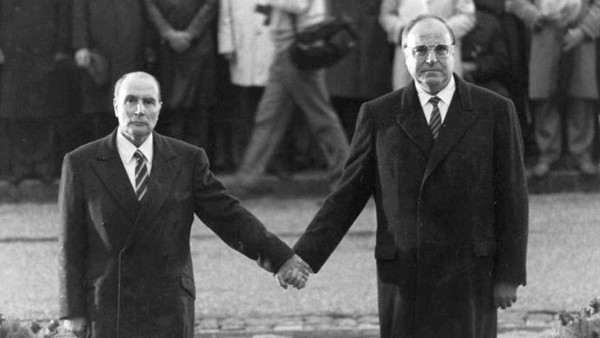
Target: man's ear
(115, 107)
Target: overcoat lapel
(165, 171)
(412, 119)
(109, 168)
(459, 118)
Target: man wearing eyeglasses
(443, 160)
(127, 204)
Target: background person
(244, 41)
(187, 65)
(562, 73)
(109, 39)
(288, 87)
(34, 40)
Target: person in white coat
(395, 14)
(244, 41)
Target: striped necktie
(141, 175)
(435, 121)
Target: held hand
(79, 326)
(572, 38)
(83, 57)
(505, 295)
(294, 272)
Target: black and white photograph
(299, 168)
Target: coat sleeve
(80, 24)
(510, 199)
(463, 19)
(72, 243)
(204, 19)
(525, 10)
(226, 31)
(590, 23)
(235, 225)
(157, 18)
(343, 206)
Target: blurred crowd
(60, 58)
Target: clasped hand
(293, 272)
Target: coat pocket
(187, 284)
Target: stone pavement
(538, 324)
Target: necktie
(141, 175)
(435, 121)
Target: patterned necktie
(141, 175)
(435, 121)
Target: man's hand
(78, 325)
(83, 57)
(294, 272)
(572, 38)
(505, 295)
(180, 41)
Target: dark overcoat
(32, 34)
(126, 265)
(115, 29)
(451, 214)
(364, 73)
(189, 78)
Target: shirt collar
(127, 149)
(445, 94)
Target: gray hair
(144, 74)
(424, 17)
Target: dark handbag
(322, 45)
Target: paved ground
(513, 325)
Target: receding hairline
(120, 81)
(424, 17)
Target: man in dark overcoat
(451, 197)
(34, 39)
(127, 203)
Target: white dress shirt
(127, 149)
(445, 96)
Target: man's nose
(139, 108)
(431, 57)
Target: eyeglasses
(147, 102)
(441, 50)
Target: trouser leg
(270, 123)
(547, 129)
(580, 128)
(310, 93)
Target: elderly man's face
(137, 105)
(429, 55)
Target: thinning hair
(143, 74)
(424, 17)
